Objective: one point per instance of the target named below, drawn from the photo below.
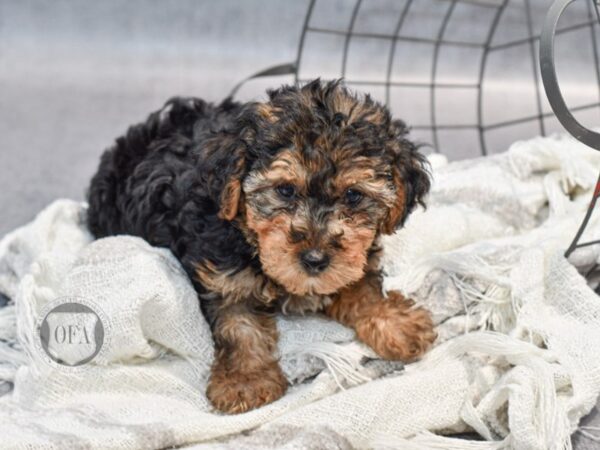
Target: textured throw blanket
(517, 359)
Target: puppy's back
(141, 181)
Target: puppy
(275, 206)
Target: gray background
(74, 74)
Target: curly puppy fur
(274, 206)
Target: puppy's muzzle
(314, 261)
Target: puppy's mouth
(317, 272)
(314, 273)
(310, 268)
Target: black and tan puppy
(274, 206)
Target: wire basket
(464, 74)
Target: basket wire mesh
(572, 125)
(415, 53)
(434, 126)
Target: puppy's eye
(286, 191)
(353, 197)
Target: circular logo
(72, 332)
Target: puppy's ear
(231, 195)
(236, 149)
(410, 176)
(224, 164)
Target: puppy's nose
(314, 261)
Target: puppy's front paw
(396, 330)
(237, 391)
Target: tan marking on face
(347, 264)
(285, 168)
(280, 258)
(354, 175)
(365, 179)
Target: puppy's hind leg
(245, 373)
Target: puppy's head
(318, 174)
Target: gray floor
(74, 74)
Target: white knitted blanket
(518, 358)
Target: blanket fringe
(586, 431)
(342, 361)
(484, 288)
(534, 370)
